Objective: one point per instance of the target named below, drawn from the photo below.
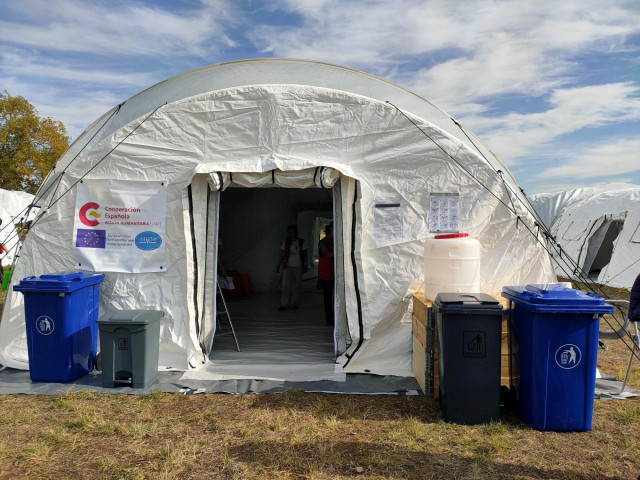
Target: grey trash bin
(469, 339)
(129, 344)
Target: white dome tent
(14, 209)
(599, 228)
(236, 144)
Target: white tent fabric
(598, 228)
(14, 207)
(257, 123)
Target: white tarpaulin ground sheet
(13, 381)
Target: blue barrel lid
(556, 298)
(58, 282)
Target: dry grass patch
(296, 435)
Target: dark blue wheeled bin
(556, 331)
(61, 310)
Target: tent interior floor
(291, 345)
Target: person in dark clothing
(325, 272)
(634, 301)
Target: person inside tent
(634, 301)
(293, 261)
(325, 272)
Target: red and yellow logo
(90, 210)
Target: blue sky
(552, 87)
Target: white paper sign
(444, 212)
(120, 225)
(387, 216)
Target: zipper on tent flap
(202, 320)
(354, 265)
(195, 260)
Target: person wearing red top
(325, 272)
(293, 261)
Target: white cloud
(24, 64)
(118, 28)
(516, 135)
(474, 50)
(597, 161)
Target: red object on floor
(245, 281)
(236, 292)
(241, 284)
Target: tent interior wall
(253, 224)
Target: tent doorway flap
(601, 243)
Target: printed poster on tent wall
(120, 226)
(444, 212)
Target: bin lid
(468, 303)
(131, 317)
(58, 282)
(556, 298)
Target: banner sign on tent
(444, 212)
(119, 226)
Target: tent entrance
(600, 245)
(252, 226)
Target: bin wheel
(97, 362)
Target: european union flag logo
(91, 238)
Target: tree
(29, 145)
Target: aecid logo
(89, 209)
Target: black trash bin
(129, 347)
(469, 340)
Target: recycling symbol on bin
(45, 325)
(568, 356)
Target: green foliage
(29, 145)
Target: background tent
(236, 143)
(13, 210)
(599, 228)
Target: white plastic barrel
(451, 265)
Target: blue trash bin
(61, 310)
(555, 329)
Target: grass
(297, 435)
(315, 436)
